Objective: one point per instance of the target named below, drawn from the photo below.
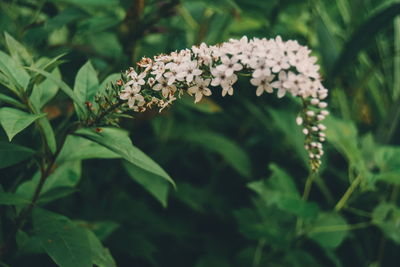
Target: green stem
(308, 185)
(306, 194)
(258, 252)
(342, 202)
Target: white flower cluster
(274, 65)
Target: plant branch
(105, 112)
(308, 185)
(45, 173)
(342, 202)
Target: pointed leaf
(11, 101)
(18, 51)
(67, 244)
(67, 174)
(119, 142)
(11, 69)
(229, 150)
(101, 256)
(11, 154)
(112, 78)
(45, 91)
(86, 83)
(87, 150)
(63, 86)
(44, 123)
(56, 193)
(14, 120)
(12, 199)
(156, 185)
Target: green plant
(244, 195)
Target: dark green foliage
(221, 183)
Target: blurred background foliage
(238, 163)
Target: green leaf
(387, 217)
(45, 91)
(87, 150)
(46, 64)
(118, 141)
(101, 256)
(106, 44)
(112, 78)
(102, 229)
(364, 36)
(86, 83)
(18, 51)
(18, 76)
(387, 158)
(12, 199)
(329, 230)
(343, 136)
(63, 86)
(9, 100)
(67, 244)
(11, 154)
(56, 193)
(266, 222)
(14, 120)
(67, 174)
(280, 190)
(283, 120)
(234, 155)
(391, 177)
(156, 185)
(44, 123)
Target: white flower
(229, 65)
(158, 70)
(166, 89)
(220, 78)
(227, 85)
(297, 84)
(310, 113)
(188, 70)
(322, 105)
(322, 127)
(263, 84)
(245, 58)
(299, 120)
(314, 101)
(282, 77)
(132, 95)
(279, 63)
(172, 74)
(136, 78)
(261, 68)
(200, 88)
